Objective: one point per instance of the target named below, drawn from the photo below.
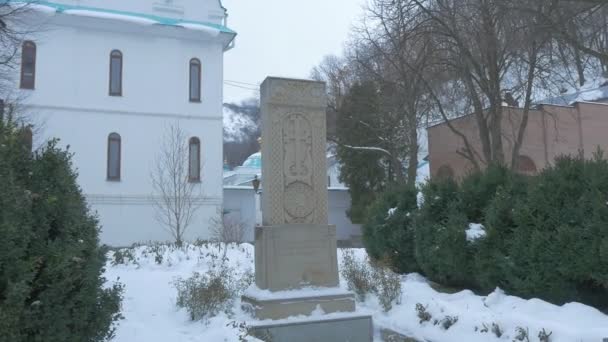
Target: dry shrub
(227, 229)
(364, 278)
(206, 295)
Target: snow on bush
(476, 231)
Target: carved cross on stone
(295, 166)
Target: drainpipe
(579, 119)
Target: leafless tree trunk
(176, 198)
(225, 230)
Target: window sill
(195, 181)
(113, 180)
(195, 101)
(115, 95)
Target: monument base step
(279, 307)
(351, 328)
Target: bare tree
(227, 229)
(176, 197)
(395, 54)
(15, 26)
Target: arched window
(114, 151)
(194, 160)
(195, 80)
(526, 166)
(115, 73)
(28, 65)
(445, 172)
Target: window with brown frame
(28, 65)
(195, 80)
(194, 160)
(115, 73)
(445, 172)
(526, 166)
(114, 151)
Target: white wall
(241, 204)
(71, 101)
(339, 202)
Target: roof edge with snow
(141, 18)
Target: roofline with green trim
(60, 8)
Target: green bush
(560, 247)
(388, 233)
(51, 264)
(545, 236)
(440, 241)
(491, 261)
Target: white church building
(108, 77)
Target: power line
(244, 83)
(240, 86)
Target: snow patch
(234, 124)
(257, 293)
(476, 231)
(391, 212)
(213, 32)
(111, 16)
(420, 199)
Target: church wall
(71, 102)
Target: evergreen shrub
(559, 250)
(546, 236)
(440, 242)
(388, 233)
(51, 263)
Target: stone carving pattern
(320, 166)
(298, 198)
(276, 186)
(299, 202)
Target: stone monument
(296, 267)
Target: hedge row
(545, 236)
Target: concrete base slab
(388, 335)
(344, 329)
(279, 308)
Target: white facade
(242, 204)
(71, 99)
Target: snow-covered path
(151, 315)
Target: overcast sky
(282, 38)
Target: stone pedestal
(296, 272)
(296, 267)
(291, 256)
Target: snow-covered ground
(152, 316)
